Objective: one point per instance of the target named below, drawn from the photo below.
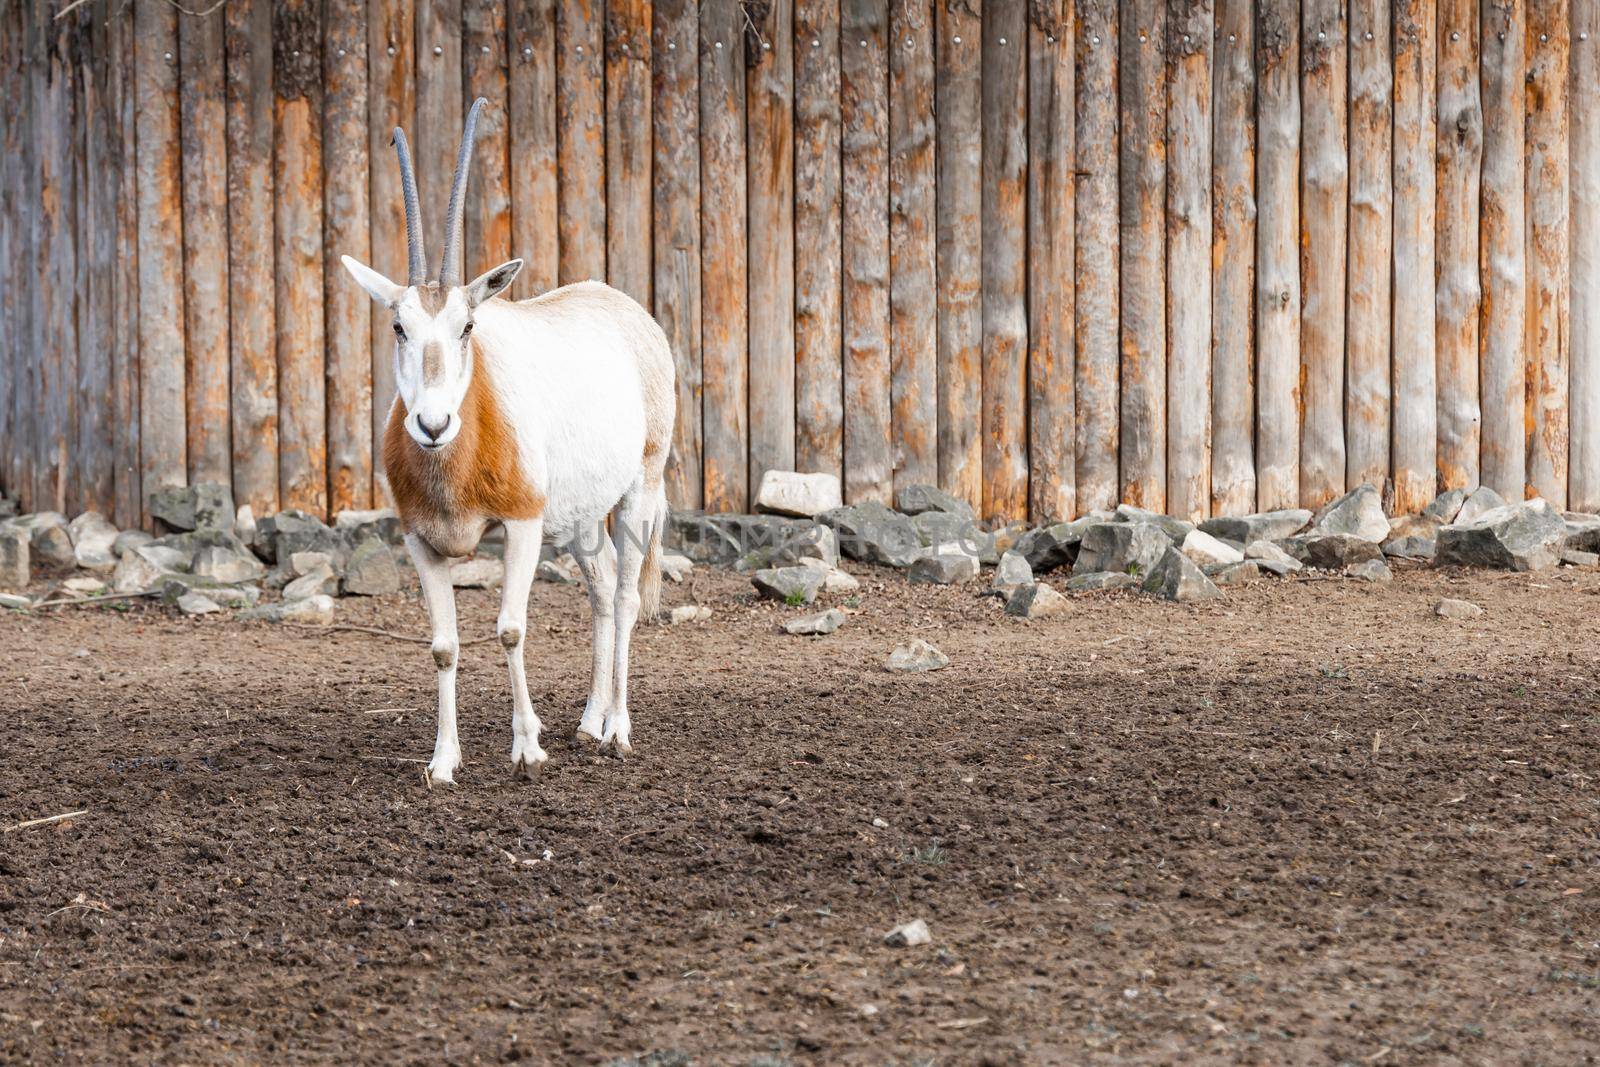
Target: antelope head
(433, 320)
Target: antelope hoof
(527, 759)
(616, 741)
(441, 770)
(585, 737)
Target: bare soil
(1313, 823)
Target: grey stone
(1479, 503)
(1175, 529)
(688, 613)
(128, 540)
(1372, 570)
(1277, 567)
(198, 604)
(14, 601)
(244, 524)
(1359, 513)
(1583, 531)
(1265, 552)
(922, 499)
(872, 533)
(380, 523)
(165, 557)
(49, 541)
(1412, 536)
(1573, 557)
(1055, 546)
(792, 585)
(204, 506)
(1450, 608)
(823, 622)
(35, 520)
(93, 538)
(135, 573)
(1175, 577)
(174, 586)
(1000, 540)
(1134, 548)
(1241, 573)
(1414, 547)
(1011, 572)
(834, 580)
(1206, 550)
(675, 568)
(15, 556)
(8, 507)
(312, 611)
(1331, 552)
(939, 527)
(1101, 581)
(189, 545)
(371, 571)
(942, 567)
(225, 565)
(1036, 601)
(303, 563)
(796, 542)
(1262, 526)
(801, 495)
(478, 573)
(1520, 537)
(280, 536)
(918, 657)
(908, 935)
(1446, 506)
(720, 540)
(85, 585)
(560, 571)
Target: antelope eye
(399, 330)
(466, 329)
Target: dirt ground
(1313, 823)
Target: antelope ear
(492, 281)
(381, 289)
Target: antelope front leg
(523, 540)
(597, 559)
(434, 571)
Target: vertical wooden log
(1051, 493)
(440, 113)
(205, 244)
(769, 127)
(1278, 255)
(1324, 197)
(723, 337)
(252, 320)
(627, 147)
(1548, 42)
(347, 232)
(958, 152)
(1367, 316)
(488, 207)
(1460, 148)
(1143, 108)
(864, 109)
(391, 102)
(1415, 444)
(581, 122)
(1502, 250)
(28, 422)
(1583, 482)
(531, 97)
(162, 432)
(1191, 24)
(913, 279)
(12, 247)
(1233, 249)
(97, 264)
(1096, 441)
(125, 308)
(55, 119)
(675, 98)
(819, 412)
(302, 391)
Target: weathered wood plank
(1459, 293)
(1096, 441)
(1324, 197)
(29, 422)
(1233, 250)
(628, 147)
(913, 279)
(1142, 104)
(13, 247)
(675, 99)
(55, 125)
(1191, 24)
(347, 231)
(1415, 443)
(391, 102)
(864, 110)
(1583, 483)
(1052, 475)
(723, 336)
(1278, 255)
(1367, 316)
(1502, 250)
(125, 311)
(297, 215)
(252, 322)
(581, 120)
(441, 111)
(531, 100)
(958, 156)
(819, 412)
(162, 432)
(1549, 251)
(97, 237)
(769, 132)
(487, 228)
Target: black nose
(433, 432)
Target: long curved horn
(416, 259)
(449, 271)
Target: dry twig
(46, 820)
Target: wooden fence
(1201, 255)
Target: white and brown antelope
(546, 415)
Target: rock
(312, 611)
(945, 565)
(280, 536)
(8, 507)
(1333, 552)
(834, 580)
(1372, 570)
(675, 568)
(1262, 526)
(1411, 536)
(478, 573)
(796, 542)
(1446, 506)
(128, 540)
(14, 601)
(85, 586)
(722, 539)
(371, 571)
(1277, 567)
(360, 525)
(15, 556)
(1449, 608)
(174, 586)
(1051, 547)
(224, 565)
(165, 557)
(1573, 557)
(1011, 572)
(1359, 513)
(922, 499)
(244, 524)
(1479, 503)
(560, 571)
(303, 563)
(1583, 531)
(1175, 577)
(1133, 548)
(49, 541)
(792, 585)
(136, 574)
(908, 935)
(1240, 573)
(1101, 581)
(803, 495)
(204, 506)
(1000, 540)
(93, 541)
(1422, 548)
(1277, 560)
(688, 613)
(317, 581)
(824, 622)
(938, 528)
(1175, 529)
(916, 658)
(198, 604)
(872, 533)
(1520, 537)
(1205, 550)
(1036, 601)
